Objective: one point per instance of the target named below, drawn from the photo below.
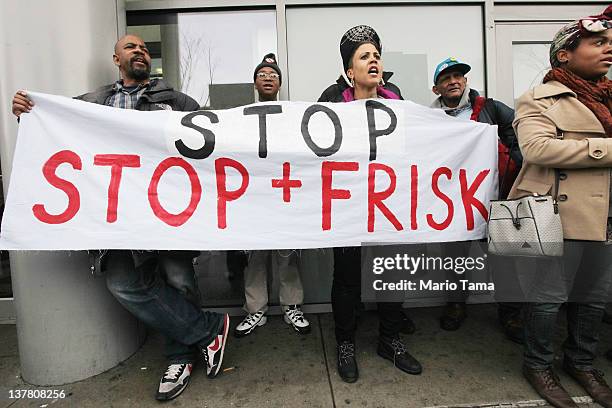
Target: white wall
(69, 327)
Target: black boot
(347, 364)
(394, 350)
(453, 316)
(511, 320)
(513, 329)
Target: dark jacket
(333, 93)
(497, 113)
(159, 96)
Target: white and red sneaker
(213, 353)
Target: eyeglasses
(266, 75)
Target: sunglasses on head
(595, 25)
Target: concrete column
(69, 326)
(170, 55)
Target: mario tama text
(402, 264)
(403, 271)
(431, 285)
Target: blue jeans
(581, 278)
(160, 289)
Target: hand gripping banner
(264, 176)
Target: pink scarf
(349, 94)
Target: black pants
(458, 249)
(346, 297)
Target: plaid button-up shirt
(126, 97)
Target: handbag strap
(557, 175)
(555, 204)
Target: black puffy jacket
(497, 113)
(154, 98)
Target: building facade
(208, 49)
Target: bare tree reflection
(197, 53)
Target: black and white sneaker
(213, 352)
(250, 323)
(174, 381)
(295, 317)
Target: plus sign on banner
(263, 176)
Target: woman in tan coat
(564, 128)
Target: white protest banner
(264, 176)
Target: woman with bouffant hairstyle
(363, 78)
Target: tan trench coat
(555, 130)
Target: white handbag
(527, 226)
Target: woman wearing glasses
(564, 128)
(363, 78)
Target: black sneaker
(394, 350)
(213, 352)
(347, 364)
(174, 381)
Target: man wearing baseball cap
(449, 84)
(457, 99)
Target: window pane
(210, 55)
(529, 65)
(415, 39)
(222, 48)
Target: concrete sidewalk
(275, 367)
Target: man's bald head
(127, 38)
(133, 60)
